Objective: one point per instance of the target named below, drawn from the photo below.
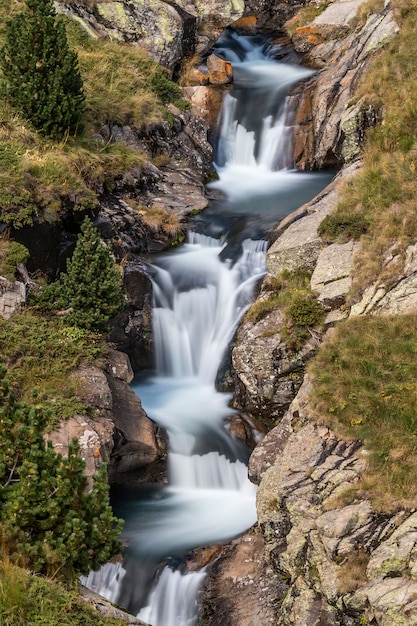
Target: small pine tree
(48, 521)
(42, 77)
(92, 288)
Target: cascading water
(200, 294)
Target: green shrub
(41, 73)
(14, 254)
(92, 289)
(48, 521)
(305, 311)
(41, 351)
(342, 225)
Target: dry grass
(159, 219)
(352, 572)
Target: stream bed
(201, 292)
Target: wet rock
(106, 608)
(137, 441)
(219, 70)
(240, 588)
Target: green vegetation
(48, 521)
(27, 600)
(290, 292)
(91, 292)
(122, 85)
(365, 388)
(343, 225)
(41, 73)
(12, 254)
(42, 352)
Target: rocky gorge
(289, 568)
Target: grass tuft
(26, 600)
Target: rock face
(334, 134)
(119, 433)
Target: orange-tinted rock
(197, 77)
(220, 72)
(306, 37)
(245, 24)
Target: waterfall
(201, 292)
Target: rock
(298, 245)
(334, 263)
(401, 299)
(240, 588)
(95, 391)
(352, 520)
(266, 452)
(165, 30)
(396, 554)
(390, 602)
(137, 441)
(264, 456)
(219, 70)
(119, 366)
(94, 436)
(339, 124)
(331, 277)
(12, 297)
(246, 25)
(245, 429)
(302, 606)
(105, 608)
(206, 101)
(268, 373)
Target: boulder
(331, 278)
(164, 29)
(219, 70)
(268, 374)
(12, 297)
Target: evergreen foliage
(92, 288)
(41, 73)
(48, 520)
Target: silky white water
(201, 292)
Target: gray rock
(12, 297)
(397, 553)
(334, 263)
(402, 298)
